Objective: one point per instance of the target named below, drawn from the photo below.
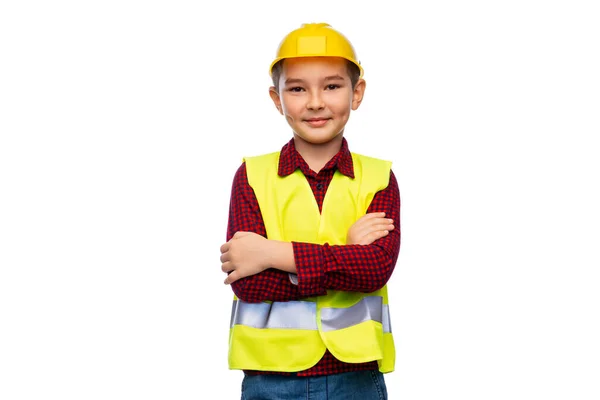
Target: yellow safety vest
(292, 336)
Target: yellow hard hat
(316, 40)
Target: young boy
(313, 239)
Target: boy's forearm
(260, 268)
(280, 255)
(273, 284)
(347, 267)
(269, 285)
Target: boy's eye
(295, 89)
(333, 87)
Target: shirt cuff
(309, 260)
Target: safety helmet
(316, 40)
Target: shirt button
(319, 186)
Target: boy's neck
(318, 155)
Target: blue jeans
(362, 385)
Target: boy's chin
(318, 139)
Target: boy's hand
(369, 228)
(244, 255)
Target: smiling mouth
(316, 122)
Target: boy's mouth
(316, 122)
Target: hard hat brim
(316, 55)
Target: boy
(311, 239)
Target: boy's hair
(353, 73)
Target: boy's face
(316, 97)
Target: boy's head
(317, 81)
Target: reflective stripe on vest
(281, 314)
(302, 315)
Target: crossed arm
(258, 268)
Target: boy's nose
(315, 102)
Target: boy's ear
(358, 93)
(276, 99)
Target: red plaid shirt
(320, 267)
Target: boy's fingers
(384, 227)
(382, 222)
(225, 247)
(368, 229)
(375, 220)
(374, 215)
(377, 235)
(224, 257)
(375, 226)
(227, 266)
(372, 237)
(370, 216)
(240, 234)
(232, 277)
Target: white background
(123, 122)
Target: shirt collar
(290, 160)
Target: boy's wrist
(280, 255)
